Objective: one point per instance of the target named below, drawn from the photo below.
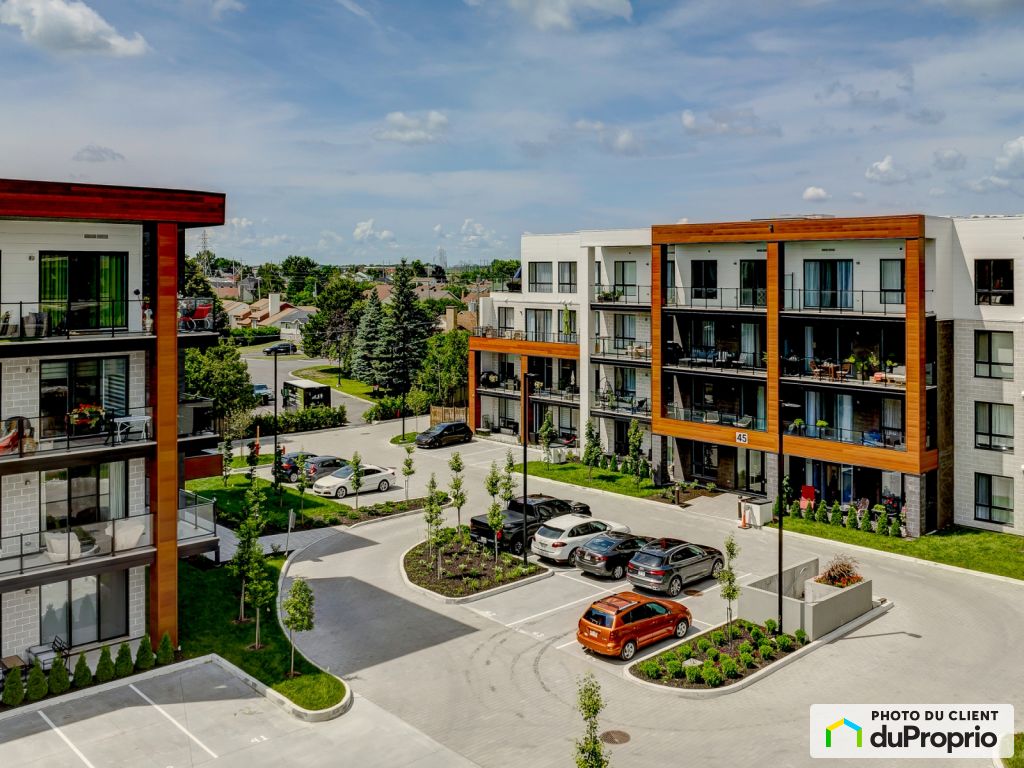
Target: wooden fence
(440, 413)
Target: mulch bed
(467, 568)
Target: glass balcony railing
(568, 394)
(893, 439)
(86, 426)
(715, 416)
(859, 372)
(713, 357)
(753, 299)
(34, 320)
(622, 293)
(197, 516)
(620, 402)
(490, 332)
(611, 346)
(27, 552)
(833, 301)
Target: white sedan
(560, 537)
(339, 482)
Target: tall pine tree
(404, 333)
(367, 342)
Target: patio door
(83, 290)
(753, 283)
(750, 345)
(625, 278)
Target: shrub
(674, 669)
(766, 652)
(729, 666)
(123, 665)
(794, 509)
(836, 515)
(756, 635)
(894, 528)
(83, 675)
(735, 631)
(801, 636)
(711, 674)
(770, 625)
(165, 651)
(784, 642)
(684, 652)
(59, 680)
(882, 524)
(744, 647)
(718, 637)
(105, 669)
(247, 336)
(841, 571)
(613, 463)
(703, 644)
(712, 654)
(851, 520)
(14, 691)
(865, 521)
(747, 659)
(144, 658)
(649, 669)
(692, 674)
(37, 685)
(317, 417)
(821, 515)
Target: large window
(86, 610)
(83, 290)
(83, 496)
(993, 281)
(625, 383)
(76, 397)
(704, 278)
(538, 324)
(506, 318)
(567, 325)
(893, 281)
(993, 498)
(753, 283)
(705, 460)
(625, 331)
(993, 426)
(625, 278)
(540, 276)
(828, 283)
(993, 354)
(567, 277)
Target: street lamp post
(783, 405)
(277, 396)
(529, 378)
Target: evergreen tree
(59, 680)
(105, 668)
(404, 333)
(367, 342)
(591, 448)
(123, 665)
(165, 651)
(144, 658)
(14, 690)
(635, 446)
(37, 685)
(83, 675)
(546, 434)
(836, 515)
(865, 521)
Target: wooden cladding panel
(523, 347)
(474, 382)
(916, 418)
(868, 227)
(657, 390)
(712, 433)
(859, 455)
(772, 410)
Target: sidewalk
(297, 540)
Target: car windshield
(435, 430)
(343, 472)
(594, 616)
(549, 532)
(646, 558)
(602, 544)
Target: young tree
(589, 703)
(433, 516)
(144, 658)
(123, 664)
(298, 613)
(249, 548)
(236, 425)
(408, 469)
(591, 448)
(635, 447)
(729, 588)
(356, 481)
(546, 434)
(225, 461)
(252, 459)
(456, 488)
(83, 675)
(496, 520)
(259, 593)
(492, 483)
(508, 479)
(367, 342)
(37, 685)
(14, 690)
(105, 666)
(303, 484)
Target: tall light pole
(277, 396)
(528, 380)
(783, 405)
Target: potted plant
(798, 426)
(86, 417)
(822, 426)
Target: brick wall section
(20, 621)
(137, 603)
(137, 380)
(19, 385)
(136, 487)
(20, 511)
(914, 504)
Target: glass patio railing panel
(54, 319)
(84, 427)
(715, 416)
(197, 516)
(612, 346)
(622, 293)
(884, 437)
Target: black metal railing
(883, 437)
(615, 346)
(85, 426)
(491, 332)
(29, 320)
(752, 299)
(699, 356)
(715, 416)
(833, 301)
(620, 402)
(622, 293)
(568, 394)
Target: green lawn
(316, 511)
(207, 626)
(1017, 761)
(998, 553)
(603, 479)
(239, 462)
(328, 374)
(408, 437)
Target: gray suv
(664, 565)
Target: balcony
(621, 349)
(848, 302)
(89, 543)
(739, 299)
(507, 286)
(712, 416)
(566, 395)
(197, 522)
(195, 416)
(490, 332)
(856, 372)
(622, 295)
(893, 439)
(621, 403)
(714, 359)
(87, 427)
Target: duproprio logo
(838, 724)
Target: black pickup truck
(536, 510)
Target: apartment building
(881, 354)
(95, 432)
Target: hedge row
(317, 417)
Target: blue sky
(366, 130)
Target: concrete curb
(711, 693)
(905, 558)
(547, 573)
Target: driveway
(261, 370)
(494, 680)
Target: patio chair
(816, 370)
(639, 405)
(744, 422)
(712, 417)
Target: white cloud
(620, 141)
(407, 129)
(683, 220)
(936, 192)
(476, 235)
(885, 171)
(987, 184)
(562, 14)
(94, 153)
(219, 7)
(355, 8)
(239, 222)
(860, 197)
(439, 232)
(1011, 161)
(948, 160)
(365, 232)
(328, 240)
(816, 195)
(68, 26)
(728, 122)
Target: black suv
(609, 553)
(664, 565)
(538, 508)
(281, 348)
(446, 433)
(316, 466)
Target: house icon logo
(838, 724)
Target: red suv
(618, 625)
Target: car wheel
(716, 569)
(675, 586)
(383, 485)
(342, 492)
(618, 572)
(628, 650)
(293, 477)
(573, 554)
(682, 628)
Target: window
(84, 610)
(567, 277)
(993, 354)
(540, 277)
(625, 331)
(76, 396)
(83, 290)
(625, 382)
(625, 278)
(83, 498)
(506, 318)
(704, 278)
(993, 426)
(993, 281)
(828, 283)
(538, 324)
(705, 460)
(567, 325)
(993, 498)
(893, 281)
(753, 283)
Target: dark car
(263, 393)
(281, 348)
(609, 553)
(316, 466)
(446, 433)
(538, 508)
(664, 565)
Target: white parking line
(588, 583)
(566, 645)
(66, 740)
(560, 607)
(176, 724)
